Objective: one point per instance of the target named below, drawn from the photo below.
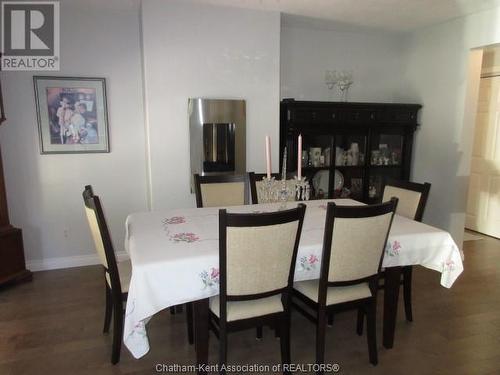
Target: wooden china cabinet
(12, 262)
(349, 149)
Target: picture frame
(72, 115)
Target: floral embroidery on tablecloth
(188, 237)
(210, 279)
(174, 220)
(139, 329)
(308, 263)
(448, 266)
(392, 249)
(323, 206)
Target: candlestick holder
(267, 191)
(282, 191)
(285, 194)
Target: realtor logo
(30, 35)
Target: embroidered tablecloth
(175, 257)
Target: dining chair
(255, 181)
(412, 201)
(257, 255)
(353, 248)
(221, 190)
(117, 274)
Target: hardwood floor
(53, 326)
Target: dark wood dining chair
(221, 190)
(116, 275)
(353, 249)
(257, 255)
(412, 201)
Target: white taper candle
(299, 158)
(268, 156)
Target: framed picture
(72, 114)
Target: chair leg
(117, 331)
(320, 340)
(371, 332)
(361, 317)
(189, 320)
(285, 342)
(330, 319)
(258, 333)
(109, 310)
(407, 276)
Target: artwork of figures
(71, 114)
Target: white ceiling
(389, 15)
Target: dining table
(175, 260)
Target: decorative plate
(321, 180)
(339, 180)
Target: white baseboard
(69, 262)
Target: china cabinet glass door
(385, 161)
(350, 162)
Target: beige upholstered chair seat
(237, 310)
(125, 272)
(335, 294)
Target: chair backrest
(255, 180)
(354, 243)
(257, 253)
(221, 190)
(412, 197)
(101, 237)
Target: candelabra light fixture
(343, 80)
(330, 79)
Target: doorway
(483, 201)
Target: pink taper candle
(268, 156)
(299, 158)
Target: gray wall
(98, 39)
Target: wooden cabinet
(12, 262)
(349, 149)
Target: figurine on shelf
(301, 189)
(339, 156)
(305, 158)
(372, 192)
(354, 153)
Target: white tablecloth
(175, 257)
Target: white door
(483, 203)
